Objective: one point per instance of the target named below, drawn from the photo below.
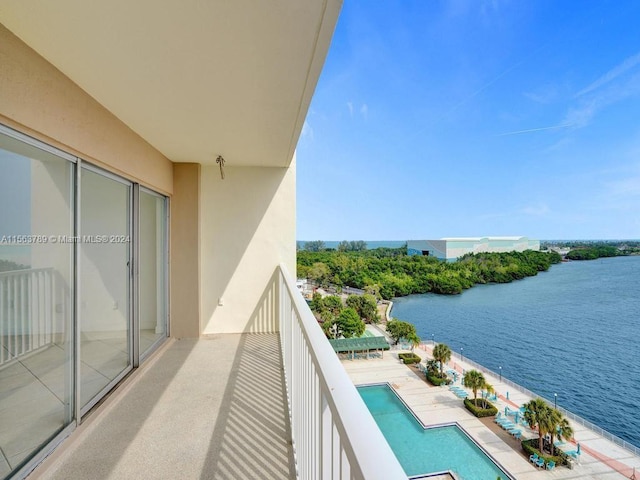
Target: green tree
(432, 367)
(319, 274)
(373, 290)
(551, 423)
(317, 303)
(488, 388)
(398, 330)
(333, 303)
(353, 246)
(350, 323)
(441, 353)
(414, 340)
(537, 416)
(564, 431)
(366, 306)
(315, 246)
(475, 381)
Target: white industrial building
(452, 248)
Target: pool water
(422, 451)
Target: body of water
(572, 331)
(371, 245)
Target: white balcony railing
(28, 299)
(334, 435)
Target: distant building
(452, 248)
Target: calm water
(573, 331)
(371, 244)
(420, 450)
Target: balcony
(273, 405)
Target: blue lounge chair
(533, 458)
(540, 462)
(572, 453)
(551, 465)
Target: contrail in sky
(534, 130)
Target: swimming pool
(422, 451)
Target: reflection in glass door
(36, 298)
(152, 278)
(105, 283)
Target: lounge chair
(540, 462)
(533, 458)
(551, 465)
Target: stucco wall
(39, 100)
(248, 229)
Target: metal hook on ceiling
(220, 161)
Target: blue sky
(471, 118)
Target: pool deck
(600, 459)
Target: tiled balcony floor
(34, 390)
(211, 408)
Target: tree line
(591, 253)
(390, 272)
(346, 319)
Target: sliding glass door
(152, 279)
(83, 291)
(36, 297)
(105, 282)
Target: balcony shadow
(251, 437)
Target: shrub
(530, 447)
(436, 380)
(477, 410)
(409, 358)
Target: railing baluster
(27, 307)
(334, 436)
(3, 322)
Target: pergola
(359, 344)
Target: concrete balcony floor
(209, 408)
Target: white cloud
(612, 74)
(364, 110)
(627, 187)
(543, 95)
(350, 107)
(582, 114)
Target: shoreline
(577, 315)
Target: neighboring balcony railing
(334, 435)
(28, 302)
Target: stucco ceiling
(194, 78)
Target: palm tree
(489, 389)
(442, 354)
(535, 415)
(548, 424)
(475, 381)
(413, 339)
(432, 366)
(562, 429)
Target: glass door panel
(36, 298)
(153, 270)
(105, 298)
